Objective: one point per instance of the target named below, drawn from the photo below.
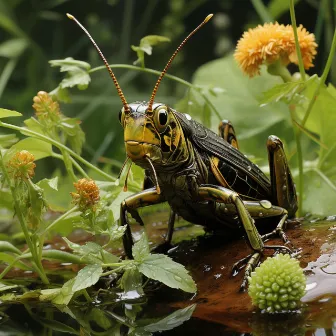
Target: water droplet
(261, 214)
(284, 187)
(266, 204)
(249, 168)
(222, 267)
(177, 278)
(217, 276)
(188, 117)
(207, 268)
(226, 209)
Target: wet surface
(221, 308)
(219, 300)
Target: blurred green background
(35, 31)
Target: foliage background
(35, 31)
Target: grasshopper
(203, 176)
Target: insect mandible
(203, 176)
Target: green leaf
(51, 183)
(87, 276)
(4, 287)
(65, 294)
(39, 148)
(37, 204)
(69, 64)
(162, 268)
(146, 44)
(276, 8)
(140, 249)
(4, 113)
(171, 321)
(285, 92)
(13, 48)
(77, 77)
(7, 140)
(73, 132)
(77, 72)
(9, 259)
(115, 205)
(131, 281)
(6, 246)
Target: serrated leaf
(69, 62)
(75, 77)
(87, 276)
(285, 92)
(4, 113)
(171, 321)
(140, 249)
(88, 248)
(162, 268)
(39, 148)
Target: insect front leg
(130, 205)
(148, 183)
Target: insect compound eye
(121, 116)
(161, 119)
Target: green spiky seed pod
(277, 284)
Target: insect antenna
(158, 190)
(120, 93)
(151, 100)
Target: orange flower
(21, 165)
(87, 195)
(45, 107)
(270, 42)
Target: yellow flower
(270, 42)
(21, 165)
(45, 107)
(87, 194)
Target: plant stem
(23, 224)
(74, 162)
(297, 134)
(60, 218)
(262, 11)
(296, 37)
(31, 133)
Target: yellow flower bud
(21, 165)
(87, 195)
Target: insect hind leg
(227, 132)
(282, 184)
